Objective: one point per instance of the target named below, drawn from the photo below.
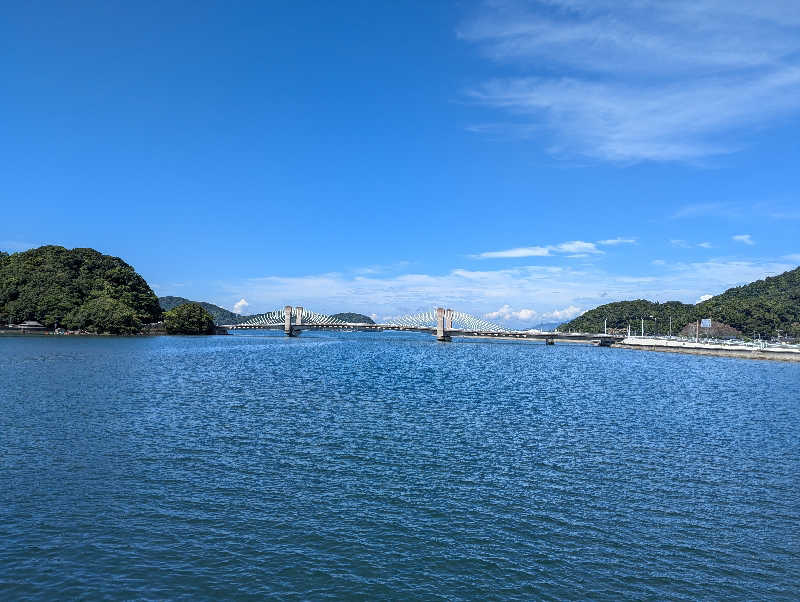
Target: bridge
(444, 323)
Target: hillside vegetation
(764, 307)
(76, 289)
(220, 315)
(354, 318)
(188, 318)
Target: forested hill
(76, 289)
(220, 314)
(354, 318)
(621, 313)
(763, 307)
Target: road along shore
(783, 354)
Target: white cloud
(543, 289)
(503, 313)
(703, 298)
(617, 241)
(516, 252)
(239, 306)
(744, 238)
(506, 313)
(793, 257)
(705, 245)
(576, 248)
(563, 314)
(646, 80)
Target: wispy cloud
(617, 241)
(738, 210)
(648, 80)
(572, 248)
(516, 252)
(382, 268)
(743, 238)
(792, 257)
(706, 209)
(683, 244)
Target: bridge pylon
(442, 333)
(288, 327)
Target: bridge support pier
(441, 332)
(288, 328)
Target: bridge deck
(455, 332)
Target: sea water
(390, 466)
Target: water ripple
(371, 466)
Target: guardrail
(724, 342)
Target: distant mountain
(220, 314)
(354, 318)
(764, 307)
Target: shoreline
(712, 349)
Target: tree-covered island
(77, 289)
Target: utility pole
(605, 326)
(670, 326)
(642, 326)
(697, 332)
(629, 329)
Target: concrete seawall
(720, 350)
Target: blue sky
(524, 161)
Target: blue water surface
(389, 466)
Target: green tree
(104, 315)
(189, 318)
